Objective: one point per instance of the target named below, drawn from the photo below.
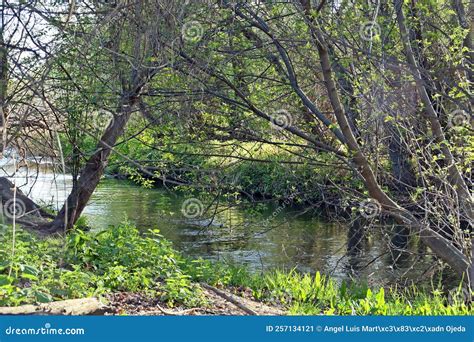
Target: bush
(92, 264)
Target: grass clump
(305, 294)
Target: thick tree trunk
(92, 172)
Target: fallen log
(83, 306)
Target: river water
(253, 236)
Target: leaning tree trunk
(92, 172)
(440, 246)
(434, 240)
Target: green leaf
(29, 276)
(30, 270)
(42, 297)
(5, 280)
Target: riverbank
(138, 273)
(256, 173)
(258, 236)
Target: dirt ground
(226, 302)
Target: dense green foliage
(122, 259)
(269, 172)
(92, 264)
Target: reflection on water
(238, 234)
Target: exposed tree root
(15, 205)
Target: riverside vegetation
(357, 110)
(121, 259)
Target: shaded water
(236, 234)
